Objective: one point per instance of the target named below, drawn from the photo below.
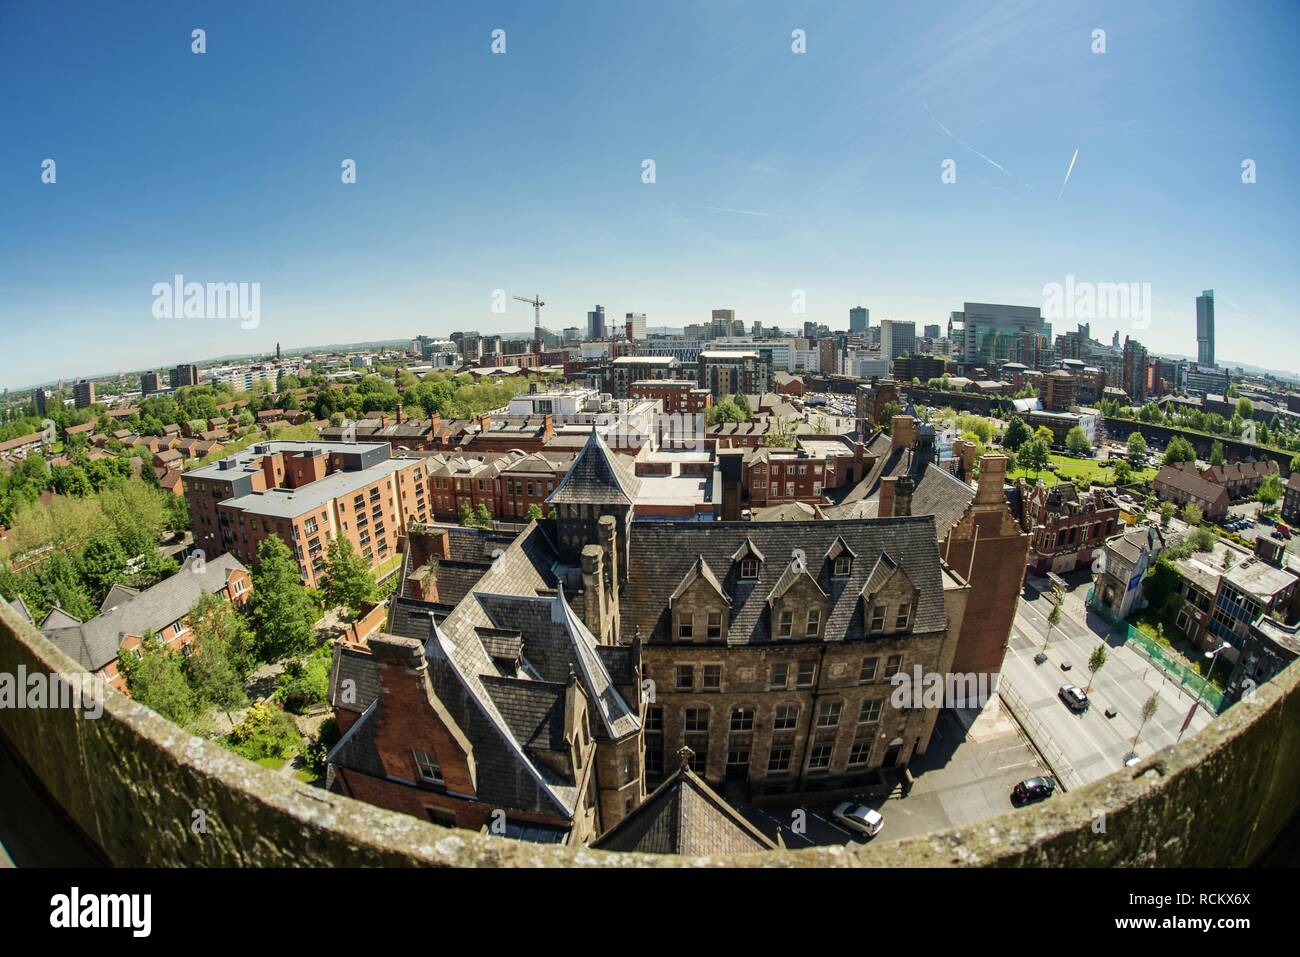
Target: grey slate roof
(684, 816)
(597, 477)
(663, 553)
(94, 643)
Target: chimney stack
(903, 496)
(902, 429)
(993, 475)
(886, 509)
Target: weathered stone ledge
(137, 785)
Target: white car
(860, 818)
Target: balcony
(1225, 797)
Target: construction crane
(536, 303)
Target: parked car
(859, 817)
(1074, 698)
(1033, 789)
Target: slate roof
(94, 643)
(597, 477)
(514, 722)
(938, 492)
(663, 553)
(684, 816)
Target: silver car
(859, 817)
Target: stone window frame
(877, 613)
(786, 752)
(847, 566)
(870, 710)
(705, 675)
(687, 719)
(772, 684)
(746, 714)
(709, 627)
(889, 663)
(829, 712)
(903, 617)
(812, 675)
(821, 752)
(792, 712)
(811, 628)
(860, 752)
(875, 670)
(785, 623)
(745, 565)
(684, 671)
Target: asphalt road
(1084, 747)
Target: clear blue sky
(523, 171)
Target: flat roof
(246, 456)
(666, 490)
(289, 503)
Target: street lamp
(1214, 660)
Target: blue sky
(523, 171)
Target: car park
(1074, 697)
(859, 818)
(1033, 789)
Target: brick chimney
(993, 475)
(399, 413)
(383, 420)
(903, 496)
(887, 484)
(902, 429)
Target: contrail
(966, 146)
(742, 212)
(1067, 174)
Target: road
(1083, 748)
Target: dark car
(1074, 698)
(1033, 789)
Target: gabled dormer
(797, 604)
(889, 599)
(699, 606)
(839, 558)
(749, 560)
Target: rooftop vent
(227, 464)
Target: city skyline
(525, 171)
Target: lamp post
(1214, 660)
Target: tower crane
(536, 303)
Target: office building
(859, 319)
(1205, 328)
(636, 326)
(596, 324)
(183, 375)
(83, 394)
(897, 339)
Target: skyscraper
(596, 324)
(859, 319)
(897, 338)
(636, 325)
(1205, 328)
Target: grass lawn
(275, 764)
(1069, 469)
(307, 776)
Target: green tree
(1270, 491)
(1076, 440)
(1123, 472)
(1096, 661)
(1137, 447)
(1179, 450)
(348, 581)
(483, 516)
(1053, 617)
(1166, 514)
(1216, 453)
(283, 613)
(1045, 435)
(103, 564)
(155, 677)
(221, 653)
(1192, 514)
(534, 513)
(1149, 709)
(1034, 455)
(1017, 434)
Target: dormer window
(904, 616)
(749, 568)
(715, 625)
(427, 766)
(843, 565)
(785, 623)
(686, 626)
(877, 619)
(814, 622)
